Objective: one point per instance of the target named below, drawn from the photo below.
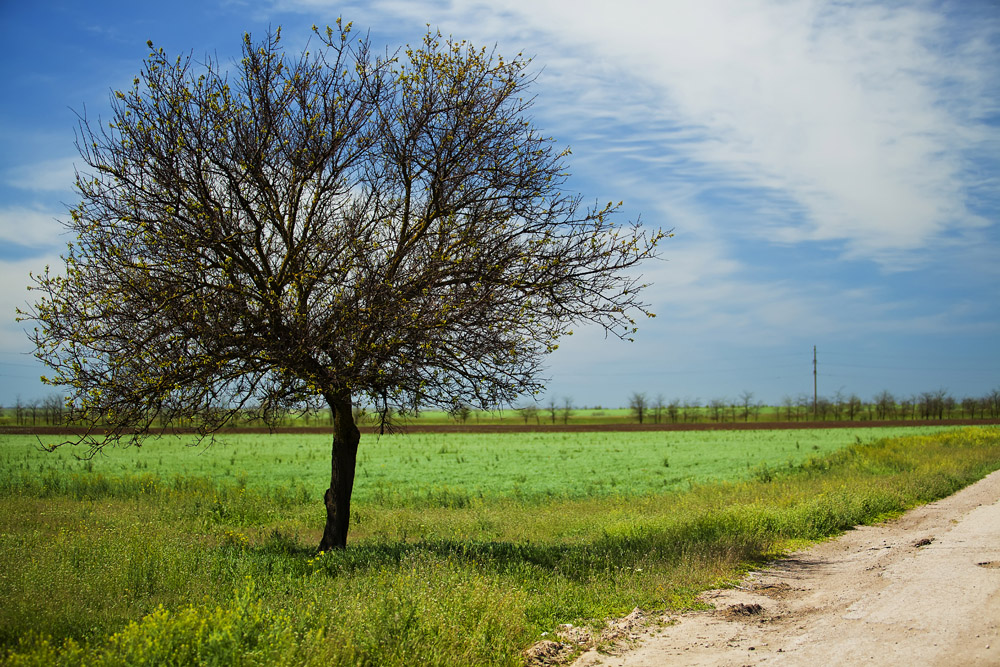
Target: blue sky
(831, 171)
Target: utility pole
(815, 396)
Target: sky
(830, 171)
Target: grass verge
(136, 570)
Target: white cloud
(845, 111)
(31, 227)
(55, 175)
(14, 276)
(857, 118)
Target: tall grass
(141, 569)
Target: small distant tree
(838, 404)
(658, 408)
(461, 412)
(673, 408)
(788, 403)
(567, 409)
(638, 404)
(717, 406)
(746, 401)
(906, 407)
(691, 409)
(969, 406)
(948, 404)
(552, 407)
(885, 404)
(528, 412)
(52, 407)
(327, 228)
(853, 406)
(804, 405)
(992, 400)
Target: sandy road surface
(921, 590)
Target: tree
(461, 412)
(528, 412)
(746, 401)
(718, 408)
(638, 404)
(969, 406)
(906, 407)
(673, 408)
(885, 404)
(854, 406)
(789, 404)
(992, 401)
(567, 409)
(838, 403)
(328, 228)
(691, 408)
(659, 407)
(553, 408)
(52, 405)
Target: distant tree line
(929, 405)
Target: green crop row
(423, 469)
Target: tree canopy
(334, 227)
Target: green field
(464, 549)
(422, 468)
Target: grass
(457, 469)
(139, 568)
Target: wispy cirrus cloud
(51, 175)
(859, 123)
(863, 121)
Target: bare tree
(992, 400)
(746, 400)
(567, 409)
(823, 407)
(673, 408)
(838, 403)
(691, 408)
(322, 229)
(789, 404)
(948, 405)
(804, 405)
(969, 406)
(638, 404)
(885, 404)
(718, 409)
(52, 408)
(553, 408)
(659, 406)
(853, 406)
(461, 412)
(528, 412)
(906, 407)
(33, 406)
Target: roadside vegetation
(116, 567)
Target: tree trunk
(344, 457)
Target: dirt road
(920, 590)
